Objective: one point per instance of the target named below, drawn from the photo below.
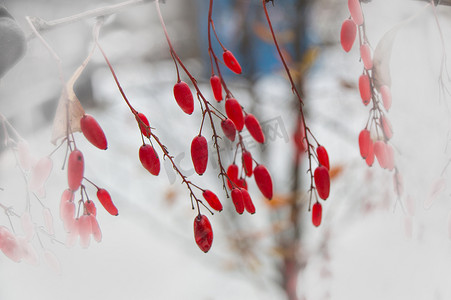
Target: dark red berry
(237, 199)
(216, 87)
(199, 154)
(149, 159)
(93, 132)
(105, 199)
(231, 62)
(229, 129)
(212, 200)
(254, 128)
(203, 233)
(235, 113)
(184, 97)
(232, 173)
(322, 182)
(263, 181)
(323, 157)
(247, 200)
(317, 211)
(247, 162)
(75, 169)
(145, 128)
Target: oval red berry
(203, 233)
(380, 151)
(247, 161)
(231, 62)
(322, 182)
(199, 154)
(348, 34)
(365, 54)
(75, 169)
(247, 201)
(90, 208)
(212, 200)
(317, 211)
(235, 113)
(365, 142)
(149, 159)
(254, 128)
(237, 199)
(93, 132)
(356, 11)
(184, 97)
(323, 157)
(365, 89)
(105, 199)
(145, 128)
(263, 181)
(232, 174)
(216, 87)
(229, 129)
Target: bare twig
(43, 25)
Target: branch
(438, 2)
(43, 25)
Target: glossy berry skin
(317, 211)
(216, 87)
(203, 233)
(254, 128)
(144, 130)
(348, 34)
(149, 159)
(75, 169)
(322, 182)
(247, 162)
(212, 200)
(263, 181)
(232, 173)
(229, 129)
(184, 97)
(247, 201)
(199, 154)
(93, 132)
(323, 157)
(237, 199)
(235, 113)
(105, 199)
(231, 62)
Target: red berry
(386, 97)
(263, 181)
(247, 162)
(386, 127)
(184, 97)
(356, 11)
(229, 129)
(67, 214)
(93, 132)
(247, 200)
(323, 157)
(235, 113)
(95, 229)
(232, 173)
(105, 199)
(90, 208)
(149, 159)
(365, 142)
(231, 62)
(317, 211)
(212, 200)
(216, 87)
(322, 182)
(199, 154)
(348, 34)
(9, 245)
(365, 54)
(145, 129)
(254, 128)
(365, 88)
(75, 169)
(237, 199)
(203, 233)
(242, 183)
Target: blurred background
(371, 244)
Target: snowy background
(370, 245)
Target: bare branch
(42, 25)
